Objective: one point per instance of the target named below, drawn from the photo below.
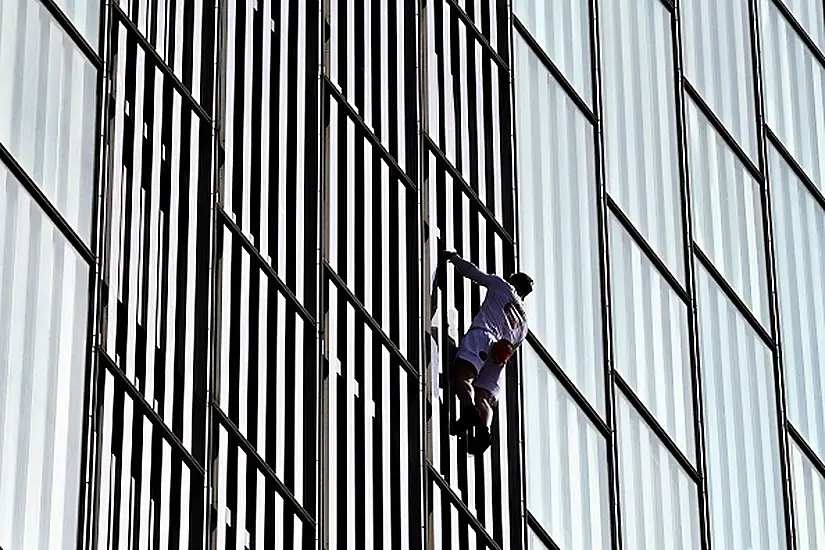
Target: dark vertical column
(770, 255)
(604, 265)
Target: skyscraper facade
(223, 320)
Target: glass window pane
(534, 542)
(727, 213)
(660, 503)
(370, 229)
(85, 15)
(808, 491)
(43, 307)
(718, 62)
(811, 15)
(799, 233)
(372, 422)
(640, 122)
(142, 475)
(268, 173)
(652, 350)
(557, 217)
(794, 92)
(467, 107)
(562, 28)
(249, 512)
(157, 270)
(368, 51)
(266, 364)
(182, 32)
(449, 528)
(741, 428)
(566, 458)
(47, 108)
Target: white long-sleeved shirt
(502, 314)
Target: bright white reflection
(43, 294)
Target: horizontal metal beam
(264, 265)
(575, 393)
(339, 97)
(478, 35)
(539, 52)
(188, 99)
(800, 30)
(80, 40)
(471, 194)
(806, 449)
(720, 128)
(289, 499)
(43, 201)
(148, 411)
(795, 166)
(543, 535)
(650, 254)
(657, 428)
(731, 294)
(462, 508)
(353, 300)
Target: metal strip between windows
(43, 202)
(261, 465)
(147, 411)
(121, 16)
(67, 25)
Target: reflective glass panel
(717, 55)
(43, 306)
(85, 15)
(794, 92)
(727, 213)
(566, 458)
(799, 233)
(652, 351)
(741, 428)
(660, 503)
(534, 542)
(811, 15)
(47, 108)
(640, 122)
(557, 217)
(562, 28)
(808, 491)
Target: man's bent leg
(462, 376)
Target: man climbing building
(498, 328)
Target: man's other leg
(484, 405)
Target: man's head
(522, 282)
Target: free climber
(497, 330)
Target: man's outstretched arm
(469, 270)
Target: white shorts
(475, 349)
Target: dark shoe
(469, 418)
(481, 442)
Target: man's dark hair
(522, 282)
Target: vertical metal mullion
(604, 264)
(321, 401)
(425, 439)
(215, 276)
(515, 377)
(767, 229)
(90, 492)
(690, 281)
